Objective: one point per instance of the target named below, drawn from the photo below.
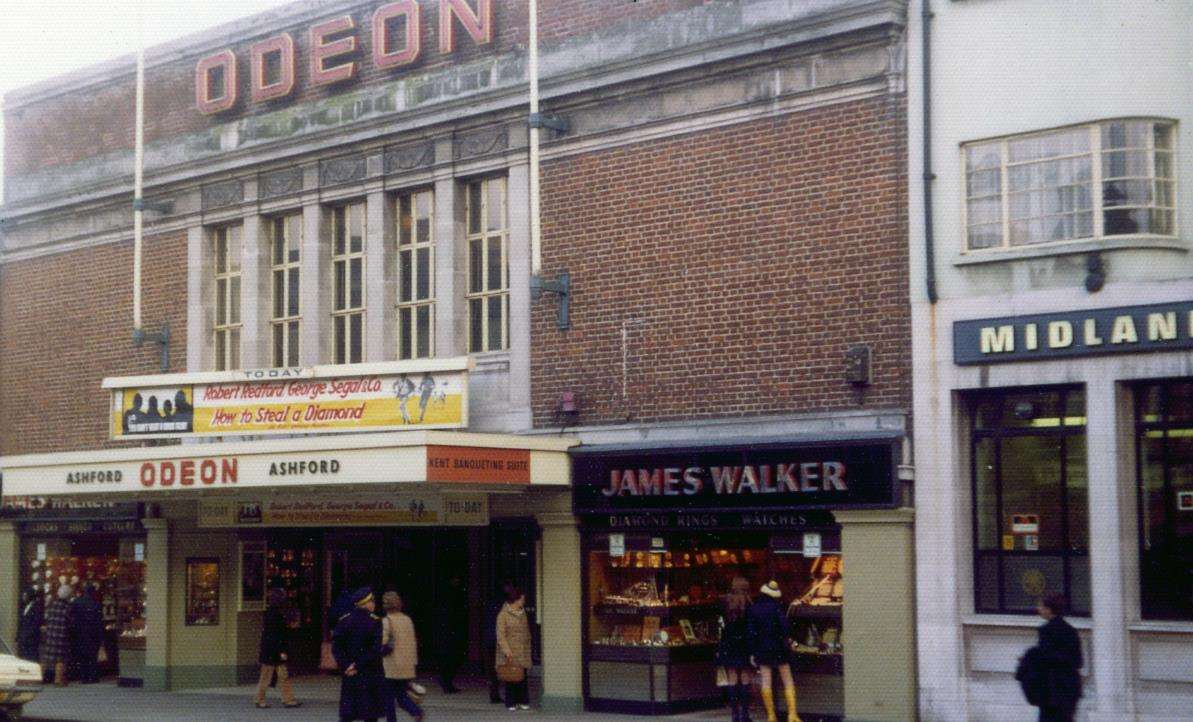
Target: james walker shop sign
(772, 477)
(282, 401)
(1127, 329)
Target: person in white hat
(769, 648)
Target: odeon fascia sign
(332, 51)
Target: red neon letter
(147, 474)
(479, 24)
(284, 46)
(230, 471)
(382, 56)
(215, 83)
(321, 51)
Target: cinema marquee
(332, 49)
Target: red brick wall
(66, 323)
(755, 254)
(75, 126)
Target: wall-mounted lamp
(561, 286)
(567, 407)
(1095, 273)
(857, 365)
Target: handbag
(510, 673)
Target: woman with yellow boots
(769, 651)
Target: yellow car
(20, 681)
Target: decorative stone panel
(481, 143)
(342, 170)
(224, 193)
(409, 157)
(280, 182)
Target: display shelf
(666, 612)
(812, 663)
(815, 611)
(652, 654)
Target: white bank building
(1052, 282)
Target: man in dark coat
(1060, 656)
(86, 634)
(33, 610)
(452, 632)
(356, 644)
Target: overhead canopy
(450, 460)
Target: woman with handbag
(513, 650)
(401, 657)
(275, 651)
(733, 649)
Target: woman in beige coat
(513, 647)
(401, 657)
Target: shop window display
(1030, 499)
(1164, 444)
(654, 612)
(115, 569)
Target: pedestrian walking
(275, 651)
(1059, 659)
(55, 640)
(401, 657)
(452, 633)
(33, 611)
(513, 650)
(769, 649)
(356, 644)
(733, 649)
(491, 640)
(86, 634)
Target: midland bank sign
(332, 51)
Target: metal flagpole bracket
(161, 337)
(561, 286)
(550, 122)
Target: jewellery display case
(653, 615)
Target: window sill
(491, 361)
(1162, 627)
(1024, 621)
(1064, 248)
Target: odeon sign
(396, 28)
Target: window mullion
(1095, 144)
(1004, 179)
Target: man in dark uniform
(1060, 655)
(86, 634)
(356, 644)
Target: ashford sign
(333, 51)
(1127, 329)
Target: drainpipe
(536, 241)
(929, 176)
(138, 182)
(139, 336)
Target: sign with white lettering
(285, 401)
(812, 544)
(1126, 329)
(847, 474)
(617, 545)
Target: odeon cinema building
(415, 296)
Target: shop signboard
(427, 509)
(1124, 329)
(695, 487)
(376, 397)
(49, 509)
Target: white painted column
(254, 294)
(519, 260)
(379, 306)
(157, 604)
(10, 591)
(942, 542)
(561, 612)
(314, 294)
(198, 308)
(1111, 653)
(450, 268)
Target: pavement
(105, 702)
